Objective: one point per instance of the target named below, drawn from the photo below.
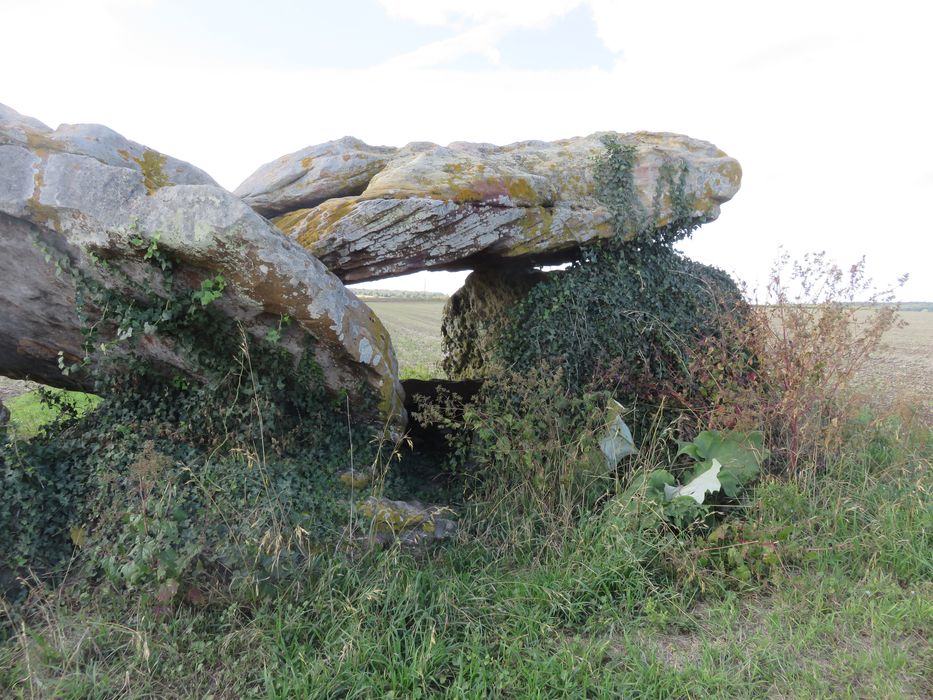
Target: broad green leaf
(739, 453)
(699, 486)
(659, 480)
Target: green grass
(598, 611)
(415, 327)
(28, 412)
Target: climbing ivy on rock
(628, 311)
(218, 474)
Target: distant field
(904, 367)
(415, 327)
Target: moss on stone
(151, 165)
(355, 479)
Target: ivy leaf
(78, 536)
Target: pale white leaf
(699, 486)
(617, 441)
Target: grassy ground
(28, 413)
(846, 611)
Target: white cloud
(516, 13)
(480, 40)
(480, 26)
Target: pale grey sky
(826, 104)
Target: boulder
(80, 199)
(476, 312)
(369, 213)
(306, 178)
(410, 523)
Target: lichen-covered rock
(471, 205)
(355, 479)
(476, 312)
(80, 194)
(409, 522)
(306, 178)
(4, 415)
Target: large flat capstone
(372, 212)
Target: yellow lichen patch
(354, 479)
(151, 165)
(291, 222)
(41, 144)
(704, 204)
(388, 518)
(333, 210)
(732, 171)
(520, 190)
(481, 189)
(42, 214)
(124, 154)
(574, 185)
(307, 226)
(390, 402)
(306, 163)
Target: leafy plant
(224, 476)
(723, 462)
(528, 451)
(738, 454)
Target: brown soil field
(902, 371)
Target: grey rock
(310, 176)
(475, 313)
(85, 191)
(468, 205)
(409, 522)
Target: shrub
(628, 313)
(789, 367)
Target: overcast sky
(827, 105)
